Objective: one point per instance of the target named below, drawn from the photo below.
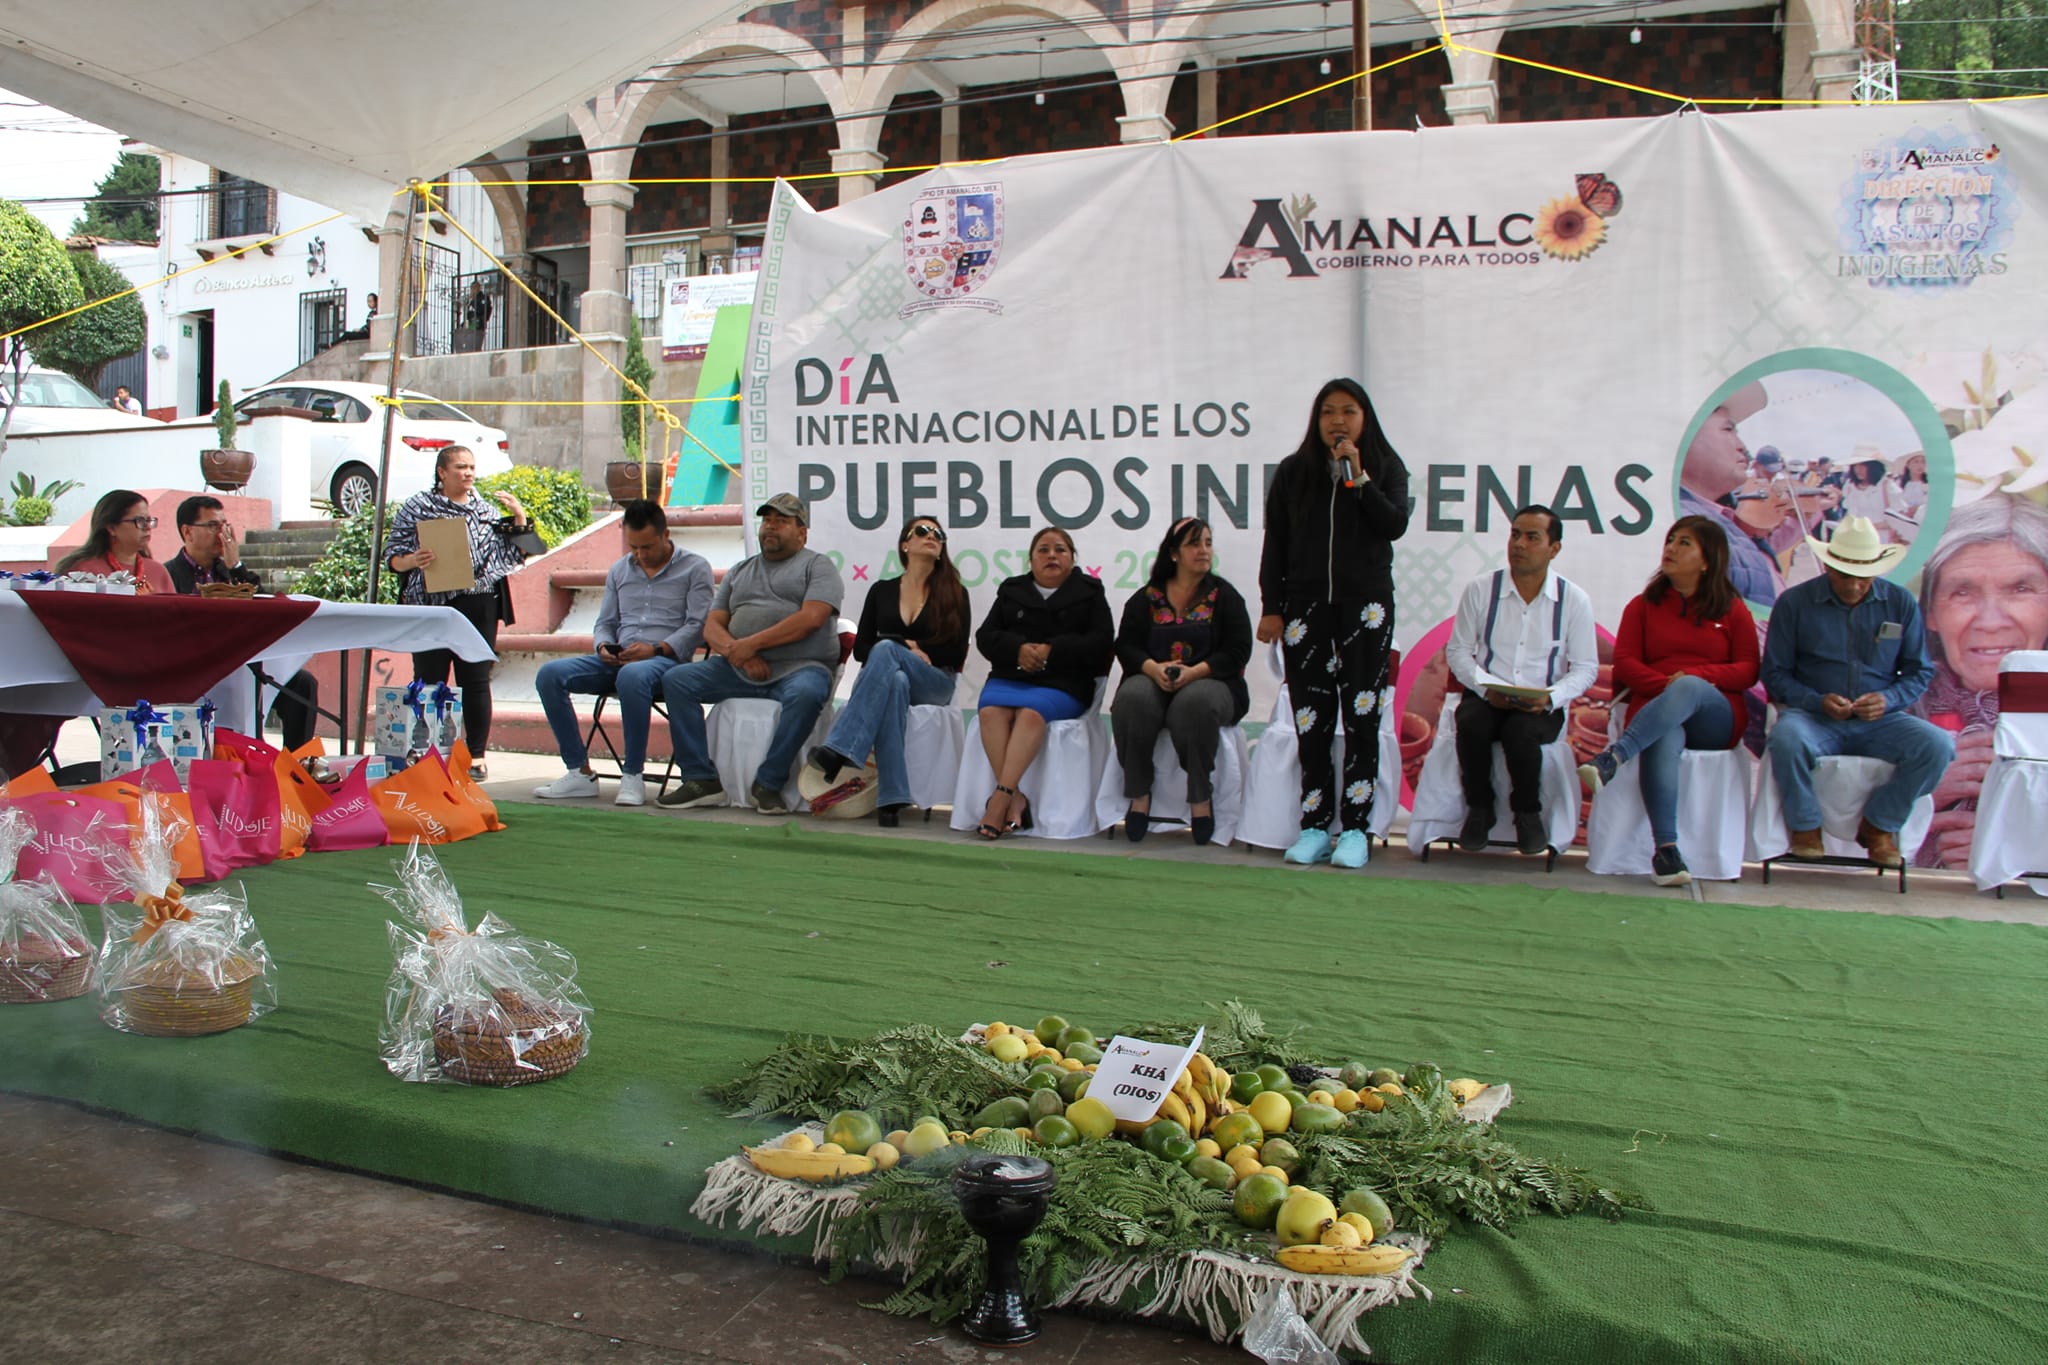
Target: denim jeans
(633, 684)
(1920, 752)
(1689, 714)
(689, 687)
(891, 682)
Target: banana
(812, 1166)
(1311, 1259)
(1198, 1112)
(1464, 1090)
(1204, 1071)
(1131, 1128)
(1175, 1108)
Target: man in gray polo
(774, 633)
(651, 620)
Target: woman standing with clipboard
(1326, 590)
(493, 540)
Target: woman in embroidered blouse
(493, 559)
(912, 644)
(118, 542)
(1687, 653)
(1183, 643)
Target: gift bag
(180, 965)
(161, 777)
(69, 832)
(350, 818)
(422, 803)
(236, 804)
(298, 796)
(44, 952)
(459, 764)
(489, 1007)
(29, 783)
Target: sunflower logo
(1568, 230)
(1374, 616)
(1359, 793)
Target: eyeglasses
(214, 526)
(140, 523)
(925, 532)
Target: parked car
(53, 401)
(348, 431)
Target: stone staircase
(280, 556)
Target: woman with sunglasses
(912, 644)
(1183, 643)
(117, 541)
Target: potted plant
(226, 468)
(34, 506)
(634, 476)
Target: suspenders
(1556, 626)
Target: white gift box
(375, 767)
(399, 728)
(180, 733)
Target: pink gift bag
(350, 819)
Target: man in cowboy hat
(1846, 655)
(1715, 465)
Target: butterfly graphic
(1598, 193)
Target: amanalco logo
(1567, 228)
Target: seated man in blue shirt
(1845, 656)
(652, 619)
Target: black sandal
(985, 829)
(1025, 823)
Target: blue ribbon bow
(40, 576)
(142, 715)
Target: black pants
(296, 707)
(1521, 736)
(480, 609)
(1336, 659)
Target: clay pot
(1417, 731)
(226, 470)
(622, 480)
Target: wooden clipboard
(448, 538)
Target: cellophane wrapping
(173, 964)
(488, 1006)
(45, 953)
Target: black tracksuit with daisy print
(1327, 571)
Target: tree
(36, 282)
(1976, 49)
(83, 345)
(631, 410)
(123, 207)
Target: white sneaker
(632, 790)
(568, 786)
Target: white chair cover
(1170, 785)
(1272, 784)
(2011, 837)
(1060, 783)
(738, 732)
(2022, 730)
(1439, 810)
(1714, 787)
(934, 739)
(1842, 783)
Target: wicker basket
(237, 590)
(523, 1040)
(41, 970)
(165, 1001)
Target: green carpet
(1838, 1116)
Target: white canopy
(338, 101)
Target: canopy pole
(1361, 62)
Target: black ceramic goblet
(1003, 1198)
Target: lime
(1159, 1133)
(1233, 1129)
(1007, 1112)
(1211, 1172)
(1382, 1075)
(1084, 1053)
(1245, 1085)
(1179, 1150)
(853, 1129)
(1280, 1152)
(1043, 1078)
(1092, 1118)
(1072, 1084)
(1049, 1028)
(1354, 1076)
(1274, 1077)
(1044, 1103)
(1258, 1199)
(1369, 1203)
(1316, 1118)
(1071, 1035)
(1295, 1099)
(1054, 1131)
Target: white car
(348, 430)
(53, 401)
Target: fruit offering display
(1282, 1163)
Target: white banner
(1109, 339)
(690, 308)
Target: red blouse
(1656, 641)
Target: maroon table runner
(162, 649)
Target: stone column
(390, 266)
(1835, 71)
(1145, 127)
(604, 319)
(867, 163)
(1474, 102)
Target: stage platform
(1830, 1111)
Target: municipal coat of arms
(951, 239)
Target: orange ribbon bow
(157, 911)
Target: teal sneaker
(1312, 847)
(1354, 846)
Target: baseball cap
(789, 504)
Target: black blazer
(1075, 621)
(881, 618)
(1230, 641)
(180, 570)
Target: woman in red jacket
(1686, 652)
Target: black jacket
(881, 618)
(1075, 621)
(1326, 542)
(180, 570)
(1230, 644)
